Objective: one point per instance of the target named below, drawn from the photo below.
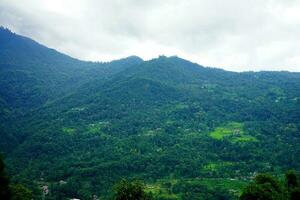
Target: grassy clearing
(233, 131)
(161, 189)
(69, 130)
(232, 128)
(244, 138)
(217, 166)
(234, 186)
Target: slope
(172, 123)
(164, 119)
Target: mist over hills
(167, 121)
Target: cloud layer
(236, 35)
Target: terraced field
(233, 131)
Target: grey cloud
(235, 35)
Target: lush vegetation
(12, 192)
(186, 131)
(268, 187)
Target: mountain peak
(134, 58)
(128, 60)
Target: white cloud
(236, 35)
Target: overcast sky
(238, 35)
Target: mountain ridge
(12, 34)
(172, 123)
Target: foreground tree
(11, 192)
(292, 185)
(21, 193)
(264, 187)
(126, 190)
(267, 187)
(5, 192)
(291, 180)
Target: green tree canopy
(292, 185)
(5, 192)
(291, 179)
(264, 187)
(21, 193)
(126, 190)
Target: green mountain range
(185, 130)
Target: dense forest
(167, 128)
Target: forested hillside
(185, 130)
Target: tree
(126, 190)
(11, 192)
(267, 179)
(295, 194)
(291, 180)
(264, 187)
(21, 193)
(292, 185)
(5, 192)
